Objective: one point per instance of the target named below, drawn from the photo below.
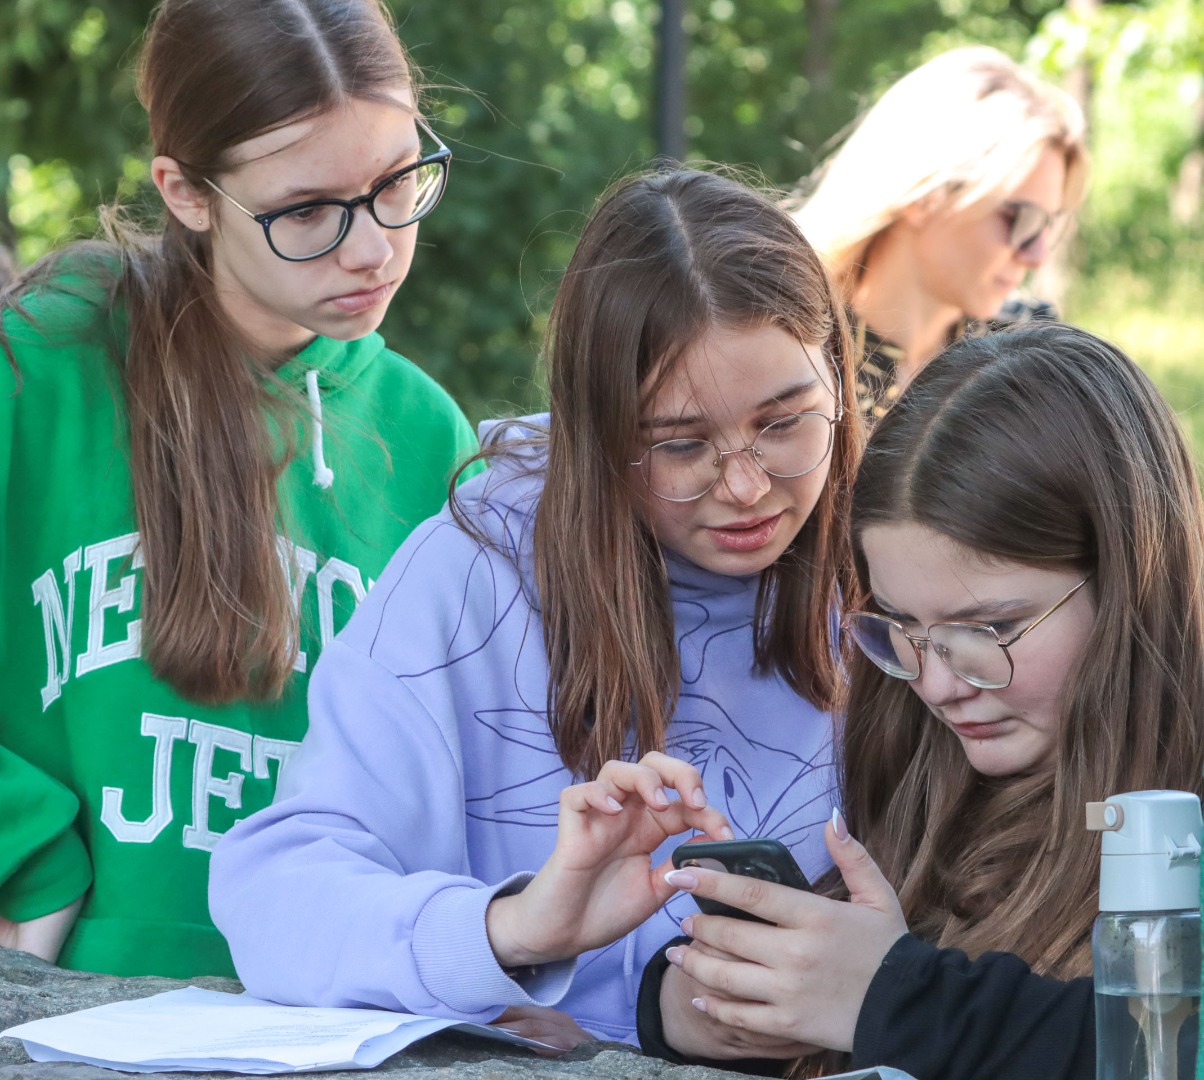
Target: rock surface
(31, 989)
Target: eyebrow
(780, 398)
(980, 611)
(303, 194)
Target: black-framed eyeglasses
(1027, 221)
(309, 230)
(974, 652)
(682, 470)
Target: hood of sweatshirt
(323, 369)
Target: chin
(353, 328)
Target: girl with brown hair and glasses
(1029, 542)
(650, 573)
(179, 541)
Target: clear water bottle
(1146, 943)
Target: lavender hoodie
(428, 781)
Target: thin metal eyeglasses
(1027, 221)
(683, 470)
(308, 230)
(974, 652)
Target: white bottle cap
(1151, 851)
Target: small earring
(200, 222)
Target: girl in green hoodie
(178, 541)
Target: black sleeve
(651, 1032)
(938, 1015)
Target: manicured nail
(699, 799)
(687, 926)
(613, 803)
(660, 798)
(727, 833)
(838, 825)
(699, 1004)
(681, 879)
(674, 954)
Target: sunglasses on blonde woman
(1026, 222)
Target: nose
(938, 685)
(367, 245)
(1036, 251)
(743, 481)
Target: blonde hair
(967, 125)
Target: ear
(186, 203)
(918, 214)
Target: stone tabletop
(31, 988)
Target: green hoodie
(109, 777)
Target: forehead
(343, 140)
(732, 369)
(925, 574)
(1045, 182)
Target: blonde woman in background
(950, 190)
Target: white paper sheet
(195, 1030)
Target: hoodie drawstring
(630, 980)
(323, 474)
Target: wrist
(503, 917)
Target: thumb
(865, 882)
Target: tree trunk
(817, 60)
(1188, 189)
(1053, 279)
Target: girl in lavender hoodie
(649, 573)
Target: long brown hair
(218, 620)
(1046, 447)
(664, 258)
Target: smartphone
(759, 857)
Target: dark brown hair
(1045, 447)
(218, 620)
(665, 258)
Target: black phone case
(759, 857)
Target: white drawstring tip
(323, 474)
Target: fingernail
(674, 954)
(699, 1004)
(681, 879)
(727, 833)
(687, 926)
(660, 798)
(700, 799)
(613, 803)
(838, 825)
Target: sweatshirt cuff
(650, 1027)
(456, 963)
(54, 876)
(906, 955)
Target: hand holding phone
(760, 857)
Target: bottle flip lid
(1151, 850)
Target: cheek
(404, 241)
(1038, 688)
(806, 491)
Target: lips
(354, 302)
(746, 535)
(989, 730)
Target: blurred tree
(1147, 68)
(67, 105)
(546, 101)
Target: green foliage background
(546, 101)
